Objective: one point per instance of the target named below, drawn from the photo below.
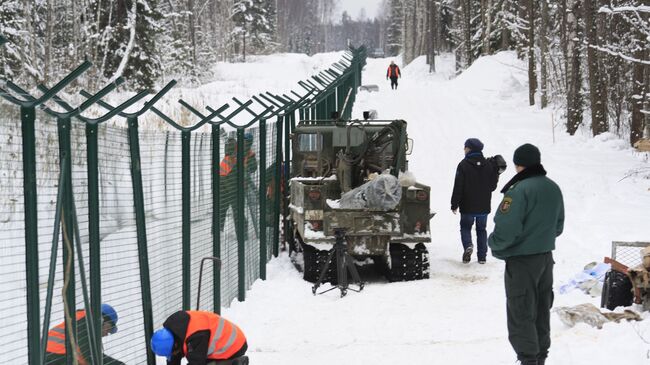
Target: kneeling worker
(56, 354)
(203, 338)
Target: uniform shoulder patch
(504, 207)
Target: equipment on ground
(344, 263)
(333, 157)
(369, 88)
(627, 284)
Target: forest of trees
(590, 58)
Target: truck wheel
(313, 261)
(406, 264)
(617, 290)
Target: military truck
(333, 157)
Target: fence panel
(252, 203)
(12, 236)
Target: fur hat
(526, 155)
(474, 144)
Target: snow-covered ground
(458, 316)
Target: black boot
(528, 362)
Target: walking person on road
(393, 73)
(530, 217)
(476, 179)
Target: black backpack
(498, 162)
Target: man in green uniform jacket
(529, 218)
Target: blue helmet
(248, 136)
(108, 311)
(162, 343)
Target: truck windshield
(310, 142)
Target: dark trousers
(232, 359)
(466, 223)
(393, 82)
(230, 201)
(529, 288)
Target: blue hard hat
(248, 136)
(162, 343)
(109, 312)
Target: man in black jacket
(476, 179)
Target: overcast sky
(354, 6)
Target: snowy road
(458, 316)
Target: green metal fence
(107, 210)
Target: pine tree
(13, 54)
(143, 65)
(253, 27)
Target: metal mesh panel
(13, 315)
(47, 168)
(161, 178)
(270, 168)
(119, 246)
(628, 253)
(252, 207)
(227, 212)
(201, 226)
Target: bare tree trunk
(543, 42)
(638, 93)
(532, 74)
(505, 32)
(48, 43)
(563, 39)
(467, 32)
(191, 30)
(432, 25)
(75, 29)
(488, 28)
(574, 80)
(131, 19)
(599, 122)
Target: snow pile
(501, 72)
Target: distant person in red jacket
(393, 73)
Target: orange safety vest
(56, 339)
(229, 162)
(226, 165)
(392, 69)
(225, 337)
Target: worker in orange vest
(55, 351)
(228, 177)
(203, 338)
(393, 73)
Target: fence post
(262, 198)
(239, 214)
(288, 229)
(93, 232)
(28, 119)
(279, 185)
(70, 302)
(216, 226)
(186, 229)
(140, 222)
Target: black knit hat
(474, 144)
(526, 155)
